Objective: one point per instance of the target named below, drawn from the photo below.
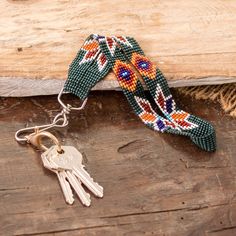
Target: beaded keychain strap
(89, 67)
(95, 59)
(99, 54)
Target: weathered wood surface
(189, 40)
(155, 184)
(32, 87)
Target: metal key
(71, 159)
(67, 192)
(61, 162)
(66, 178)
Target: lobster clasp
(60, 120)
(36, 140)
(21, 134)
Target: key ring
(60, 120)
(36, 140)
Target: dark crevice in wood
(75, 229)
(167, 210)
(144, 213)
(12, 189)
(208, 206)
(222, 229)
(23, 213)
(132, 146)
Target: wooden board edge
(24, 87)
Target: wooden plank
(21, 87)
(188, 40)
(155, 184)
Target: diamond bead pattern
(99, 54)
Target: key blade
(66, 189)
(65, 186)
(83, 196)
(88, 181)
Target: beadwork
(99, 54)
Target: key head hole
(60, 151)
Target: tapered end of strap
(207, 141)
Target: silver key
(65, 178)
(67, 192)
(71, 159)
(64, 162)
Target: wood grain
(187, 39)
(155, 184)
